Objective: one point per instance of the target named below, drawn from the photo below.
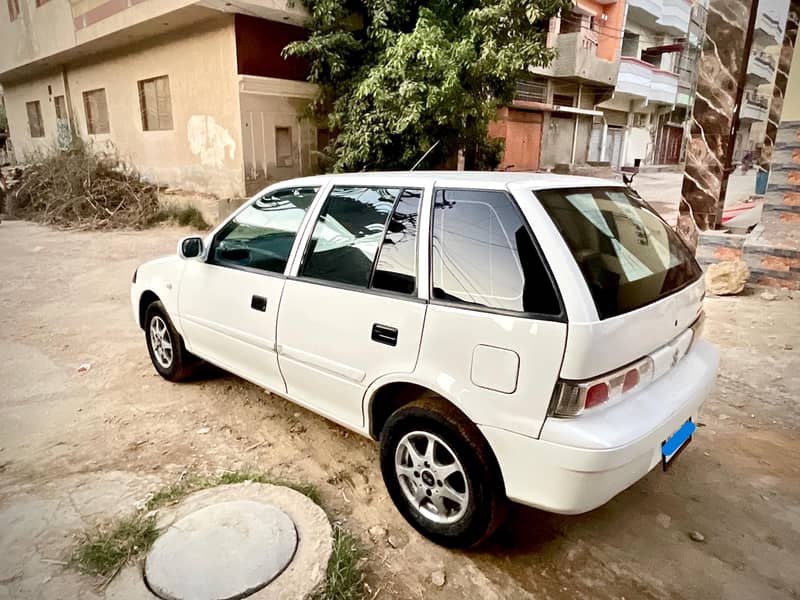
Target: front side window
(261, 236)
(348, 233)
(484, 256)
(627, 254)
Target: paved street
(75, 448)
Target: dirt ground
(76, 447)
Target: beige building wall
(266, 105)
(37, 31)
(43, 88)
(202, 152)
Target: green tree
(396, 76)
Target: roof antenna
(416, 164)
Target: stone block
(727, 278)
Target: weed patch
(107, 548)
(344, 578)
(182, 215)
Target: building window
(283, 146)
(13, 9)
(94, 103)
(35, 124)
(155, 104)
(61, 108)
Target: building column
(721, 77)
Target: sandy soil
(78, 447)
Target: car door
(228, 300)
(495, 330)
(351, 314)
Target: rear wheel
(441, 474)
(165, 345)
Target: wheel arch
(145, 300)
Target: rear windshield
(628, 255)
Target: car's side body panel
(161, 277)
(451, 346)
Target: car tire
(451, 492)
(167, 351)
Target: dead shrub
(76, 188)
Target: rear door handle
(383, 334)
(258, 303)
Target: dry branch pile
(78, 189)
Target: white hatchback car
(503, 335)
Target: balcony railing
(639, 78)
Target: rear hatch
(643, 280)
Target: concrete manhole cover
(221, 552)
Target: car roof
(455, 179)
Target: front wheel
(441, 474)
(165, 345)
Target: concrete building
(551, 121)
(193, 93)
(645, 117)
(761, 70)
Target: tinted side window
(396, 270)
(347, 234)
(262, 235)
(483, 254)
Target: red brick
(780, 263)
(779, 283)
(791, 199)
(727, 254)
(796, 157)
(790, 218)
(794, 178)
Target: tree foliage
(396, 76)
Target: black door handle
(383, 334)
(258, 303)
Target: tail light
(571, 398)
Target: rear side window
(348, 233)
(627, 254)
(483, 255)
(261, 236)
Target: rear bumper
(579, 464)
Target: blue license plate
(676, 443)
